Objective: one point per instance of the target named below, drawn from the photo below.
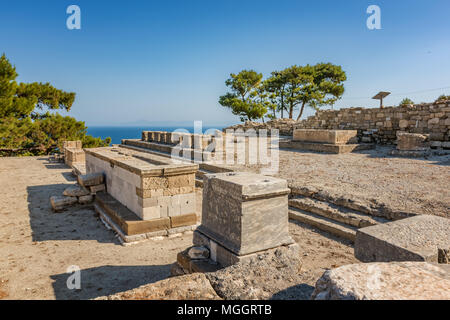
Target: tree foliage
(245, 99)
(284, 91)
(406, 102)
(443, 98)
(24, 126)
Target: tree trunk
(301, 111)
(291, 111)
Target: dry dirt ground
(37, 246)
(413, 185)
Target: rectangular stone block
(325, 136)
(73, 156)
(77, 144)
(412, 239)
(412, 141)
(91, 179)
(97, 188)
(245, 212)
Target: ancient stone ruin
(330, 141)
(147, 195)
(243, 214)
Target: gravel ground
(414, 185)
(37, 246)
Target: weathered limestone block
(59, 203)
(411, 141)
(385, 281)
(72, 144)
(75, 191)
(412, 239)
(243, 213)
(73, 156)
(198, 253)
(326, 136)
(97, 188)
(91, 179)
(85, 199)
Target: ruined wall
(284, 126)
(381, 125)
(373, 125)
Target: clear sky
(168, 60)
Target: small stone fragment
(198, 253)
(97, 188)
(91, 179)
(85, 199)
(444, 256)
(75, 191)
(59, 203)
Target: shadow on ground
(107, 280)
(300, 291)
(79, 222)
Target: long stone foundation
(146, 191)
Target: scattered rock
(188, 287)
(270, 275)
(198, 253)
(384, 281)
(75, 191)
(97, 188)
(85, 199)
(444, 256)
(60, 202)
(91, 179)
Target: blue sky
(168, 60)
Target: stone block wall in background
(381, 125)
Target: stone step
(335, 212)
(331, 226)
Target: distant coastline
(117, 133)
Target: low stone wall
(373, 125)
(381, 125)
(284, 126)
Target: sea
(119, 133)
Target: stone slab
(412, 239)
(325, 136)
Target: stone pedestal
(242, 214)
